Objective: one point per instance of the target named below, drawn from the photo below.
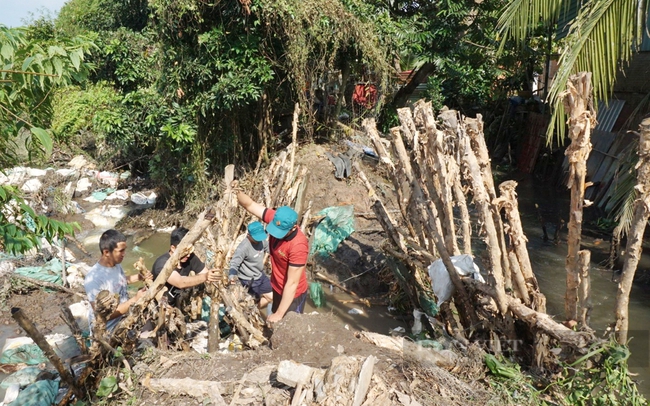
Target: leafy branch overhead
(31, 71)
(601, 39)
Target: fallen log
(578, 340)
(48, 285)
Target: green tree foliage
(32, 68)
(31, 71)
(80, 16)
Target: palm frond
(601, 39)
(521, 17)
(621, 202)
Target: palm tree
(601, 39)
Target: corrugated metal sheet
(608, 114)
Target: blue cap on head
(283, 221)
(256, 231)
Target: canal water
(548, 258)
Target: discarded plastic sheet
(49, 272)
(31, 186)
(430, 344)
(337, 225)
(11, 393)
(41, 393)
(355, 311)
(108, 178)
(440, 281)
(417, 322)
(26, 353)
(122, 194)
(99, 195)
(316, 294)
(23, 377)
(142, 198)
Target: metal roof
(608, 114)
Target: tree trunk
(474, 128)
(403, 94)
(577, 102)
(635, 235)
(481, 200)
(508, 201)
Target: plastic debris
(21, 350)
(80, 162)
(41, 393)
(397, 331)
(440, 281)
(316, 294)
(417, 322)
(49, 272)
(11, 393)
(106, 217)
(31, 186)
(355, 311)
(83, 186)
(431, 344)
(65, 172)
(108, 178)
(121, 194)
(337, 225)
(142, 198)
(22, 378)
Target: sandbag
(440, 280)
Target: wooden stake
(635, 235)
(481, 200)
(584, 293)
(578, 103)
(31, 330)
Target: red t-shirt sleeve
(267, 215)
(299, 252)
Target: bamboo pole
(577, 102)
(635, 235)
(31, 330)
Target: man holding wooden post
(107, 274)
(288, 248)
(181, 277)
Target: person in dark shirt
(180, 277)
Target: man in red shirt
(288, 248)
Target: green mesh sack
(316, 294)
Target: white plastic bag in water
(440, 281)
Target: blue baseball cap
(256, 231)
(283, 221)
